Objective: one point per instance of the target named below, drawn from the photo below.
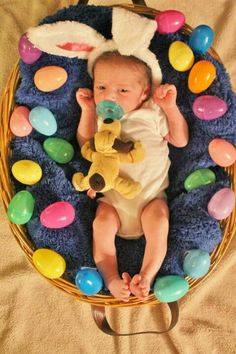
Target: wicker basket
(7, 105)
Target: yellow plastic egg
(201, 76)
(49, 263)
(180, 56)
(27, 171)
(50, 78)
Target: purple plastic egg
(57, 215)
(221, 204)
(28, 52)
(209, 107)
(169, 21)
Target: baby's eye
(101, 87)
(124, 90)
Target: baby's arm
(165, 97)
(87, 124)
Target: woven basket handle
(99, 316)
(136, 2)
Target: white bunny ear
(66, 38)
(131, 31)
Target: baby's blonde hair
(130, 60)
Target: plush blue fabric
(190, 224)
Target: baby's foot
(119, 288)
(140, 286)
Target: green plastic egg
(198, 178)
(21, 208)
(170, 288)
(59, 149)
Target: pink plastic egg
(169, 21)
(57, 215)
(221, 204)
(28, 52)
(50, 78)
(209, 107)
(222, 152)
(19, 121)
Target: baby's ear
(147, 93)
(65, 38)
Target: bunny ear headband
(132, 35)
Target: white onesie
(149, 125)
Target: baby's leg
(105, 227)
(155, 224)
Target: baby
(151, 116)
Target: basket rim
(7, 106)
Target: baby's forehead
(134, 68)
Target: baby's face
(119, 83)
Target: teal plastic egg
(199, 178)
(89, 281)
(42, 120)
(196, 263)
(201, 38)
(21, 208)
(59, 149)
(170, 288)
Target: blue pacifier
(109, 110)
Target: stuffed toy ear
(65, 38)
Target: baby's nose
(110, 95)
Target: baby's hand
(165, 96)
(84, 97)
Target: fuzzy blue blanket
(190, 225)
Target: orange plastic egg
(222, 152)
(50, 78)
(201, 76)
(19, 121)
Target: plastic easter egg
(19, 121)
(169, 21)
(28, 52)
(109, 110)
(50, 78)
(57, 215)
(201, 38)
(27, 171)
(201, 76)
(59, 149)
(170, 288)
(42, 120)
(89, 281)
(222, 152)
(209, 107)
(221, 204)
(199, 178)
(49, 263)
(196, 263)
(21, 208)
(180, 56)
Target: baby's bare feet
(140, 286)
(119, 288)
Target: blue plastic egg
(89, 281)
(196, 263)
(170, 288)
(201, 38)
(42, 120)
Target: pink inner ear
(76, 47)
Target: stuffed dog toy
(110, 151)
